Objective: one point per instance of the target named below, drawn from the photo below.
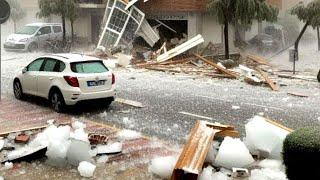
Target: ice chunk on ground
(206, 173)
(78, 125)
(109, 148)
(8, 165)
(127, 134)
(58, 145)
(220, 176)
(267, 174)
(235, 107)
(1, 144)
(102, 159)
(86, 169)
(78, 152)
(163, 166)
(80, 134)
(263, 136)
(233, 153)
(211, 156)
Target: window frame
(43, 28)
(56, 68)
(60, 29)
(38, 59)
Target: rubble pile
(257, 157)
(62, 145)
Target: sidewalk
(132, 163)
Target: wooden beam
(225, 71)
(271, 83)
(258, 59)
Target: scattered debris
(181, 48)
(26, 154)
(194, 153)
(111, 148)
(298, 94)
(130, 102)
(97, 139)
(22, 138)
(86, 169)
(240, 173)
(195, 115)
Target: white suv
(65, 79)
(33, 36)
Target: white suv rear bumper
(72, 97)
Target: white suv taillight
(113, 79)
(72, 81)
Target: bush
(301, 154)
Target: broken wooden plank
(225, 133)
(270, 82)
(193, 155)
(130, 102)
(273, 122)
(258, 59)
(226, 71)
(297, 94)
(193, 42)
(30, 129)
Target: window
(57, 29)
(49, 65)
(89, 67)
(60, 66)
(29, 30)
(45, 30)
(35, 65)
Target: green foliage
(17, 12)
(309, 13)
(242, 12)
(301, 153)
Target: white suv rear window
(89, 67)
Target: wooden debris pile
(250, 68)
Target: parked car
(33, 36)
(66, 79)
(264, 43)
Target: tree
(71, 14)
(54, 7)
(17, 12)
(310, 15)
(240, 12)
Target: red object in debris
(22, 138)
(97, 139)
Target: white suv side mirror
(39, 33)
(24, 70)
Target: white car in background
(33, 36)
(65, 79)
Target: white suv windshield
(28, 30)
(89, 67)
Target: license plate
(95, 83)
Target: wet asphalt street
(174, 102)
